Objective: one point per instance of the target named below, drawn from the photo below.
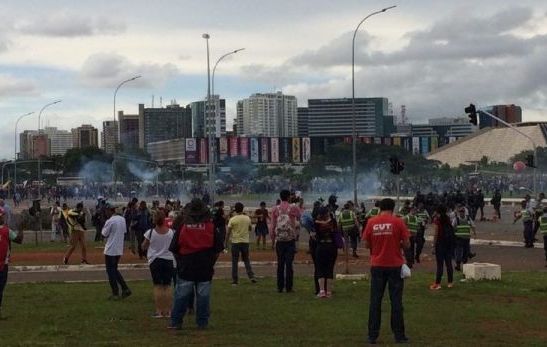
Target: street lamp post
(354, 127)
(208, 123)
(15, 151)
(116, 93)
(216, 121)
(39, 158)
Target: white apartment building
(268, 114)
(60, 141)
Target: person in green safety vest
(424, 219)
(528, 222)
(542, 221)
(405, 209)
(538, 212)
(347, 220)
(463, 227)
(412, 221)
(373, 212)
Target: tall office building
(40, 146)
(85, 136)
(303, 122)
(25, 144)
(109, 138)
(509, 113)
(60, 141)
(333, 117)
(270, 114)
(217, 121)
(165, 123)
(129, 130)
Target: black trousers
(443, 256)
(410, 253)
(115, 278)
(3, 281)
(420, 242)
(544, 246)
(242, 248)
(380, 277)
(498, 211)
(285, 256)
(313, 249)
(139, 234)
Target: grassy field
(507, 313)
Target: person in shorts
(156, 244)
(261, 228)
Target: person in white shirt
(114, 231)
(156, 243)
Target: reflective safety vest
(543, 225)
(423, 217)
(411, 222)
(373, 212)
(361, 216)
(526, 216)
(463, 229)
(403, 211)
(347, 220)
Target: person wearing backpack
(284, 227)
(444, 240)
(7, 236)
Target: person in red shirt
(386, 235)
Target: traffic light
(471, 111)
(530, 160)
(396, 166)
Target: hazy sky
(432, 56)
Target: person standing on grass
(156, 243)
(464, 226)
(444, 241)
(284, 223)
(386, 236)
(239, 228)
(143, 223)
(195, 247)
(76, 224)
(114, 232)
(7, 236)
(261, 228)
(543, 230)
(326, 250)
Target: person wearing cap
(76, 226)
(195, 247)
(6, 237)
(114, 231)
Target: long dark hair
(443, 217)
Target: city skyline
(434, 58)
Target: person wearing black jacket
(496, 202)
(195, 247)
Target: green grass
(506, 313)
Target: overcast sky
(432, 56)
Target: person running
(464, 226)
(261, 227)
(443, 240)
(156, 244)
(239, 228)
(195, 246)
(114, 231)
(347, 220)
(326, 251)
(7, 236)
(385, 235)
(76, 224)
(284, 222)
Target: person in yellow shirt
(239, 228)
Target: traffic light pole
(523, 134)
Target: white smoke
(143, 174)
(96, 171)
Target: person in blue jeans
(195, 247)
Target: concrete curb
(142, 266)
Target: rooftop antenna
(161, 102)
(152, 101)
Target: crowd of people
(182, 243)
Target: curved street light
(212, 143)
(354, 129)
(39, 158)
(118, 87)
(15, 152)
